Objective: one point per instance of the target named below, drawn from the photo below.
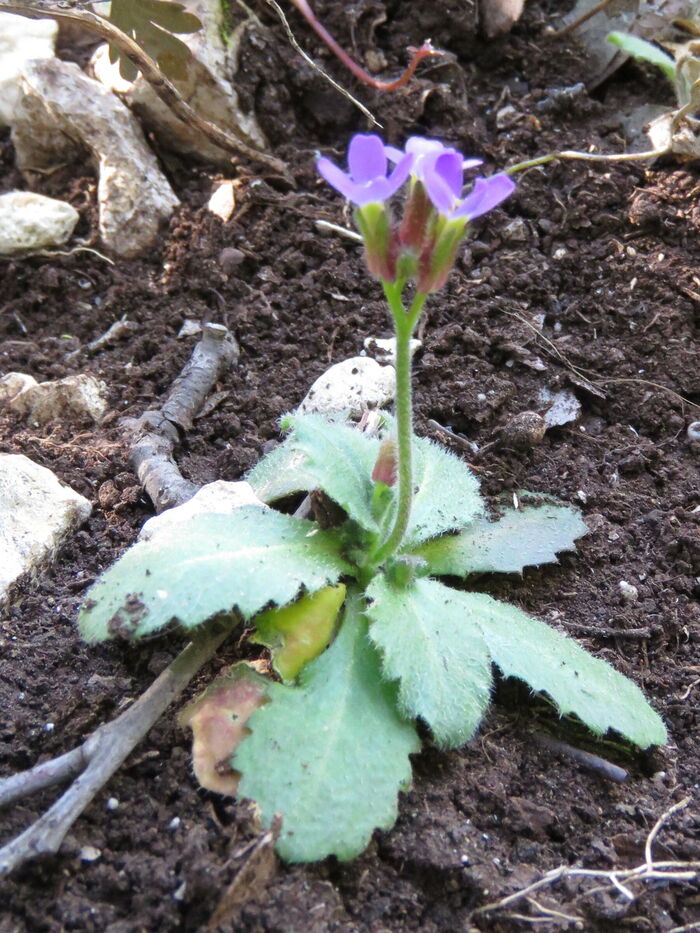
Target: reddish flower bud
(386, 468)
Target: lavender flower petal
(487, 194)
(366, 157)
(337, 179)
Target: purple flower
(425, 151)
(367, 181)
(443, 182)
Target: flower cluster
(423, 245)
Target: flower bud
(374, 223)
(438, 257)
(386, 468)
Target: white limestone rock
(351, 386)
(21, 39)
(62, 112)
(36, 513)
(70, 399)
(30, 221)
(206, 89)
(221, 497)
(12, 384)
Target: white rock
(30, 221)
(36, 512)
(223, 201)
(89, 854)
(12, 384)
(384, 351)
(562, 407)
(60, 112)
(21, 39)
(352, 386)
(629, 593)
(221, 497)
(206, 89)
(75, 397)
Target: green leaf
(447, 493)
(219, 563)
(298, 633)
(151, 23)
(437, 653)
(644, 51)
(532, 535)
(331, 754)
(337, 458)
(281, 473)
(553, 663)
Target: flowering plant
(364, 638)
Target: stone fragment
(70, 399)
(12, 384)
(352, 386)
(223, 201)
(221, 497)
(36, 512)
(62, 112)
(206, 89)
(562, 407)
(30, 221)
(21, 39)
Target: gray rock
(30, 221)
(69, 399)
(36, 513)
(353, 385)
(221, 497)
(62, 112)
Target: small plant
(364, 637)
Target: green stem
(404, 324)
(568, 154)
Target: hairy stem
(404, 323)
(101, 754)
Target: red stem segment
(417, 55)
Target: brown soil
(588, 272)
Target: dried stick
(100, 755)
(650, 870)
(592, 762)
(156, 434)
(235, 142)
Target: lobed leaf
(446, 493)
(243, 562)
(532, 535)
(152, 23)
(437, 654)
(331, 754)
(555, 664)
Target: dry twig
(102, 753)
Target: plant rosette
(365, 633)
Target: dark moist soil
(586, 280)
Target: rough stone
(206, 89)
(352, 386)
(222, 497)
(36, 512)
(62, 112)
(12, 384)
(70, 399)
(30, 221)
(21, 39)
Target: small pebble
(230, 259)
(694, 431)
(179, 894)
(89, 854)
(174, 823)
(629, 593)
(524, 430)
(49, 727)
(112, 803)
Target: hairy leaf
(436, 652)
(523, 537)
(151, 23)
(446, 493)
(553, 663)
(331, 754)
(281, 473)
(243, 562)
(298, 633)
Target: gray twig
(102, 753)
(156, 434)
(592, 762)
